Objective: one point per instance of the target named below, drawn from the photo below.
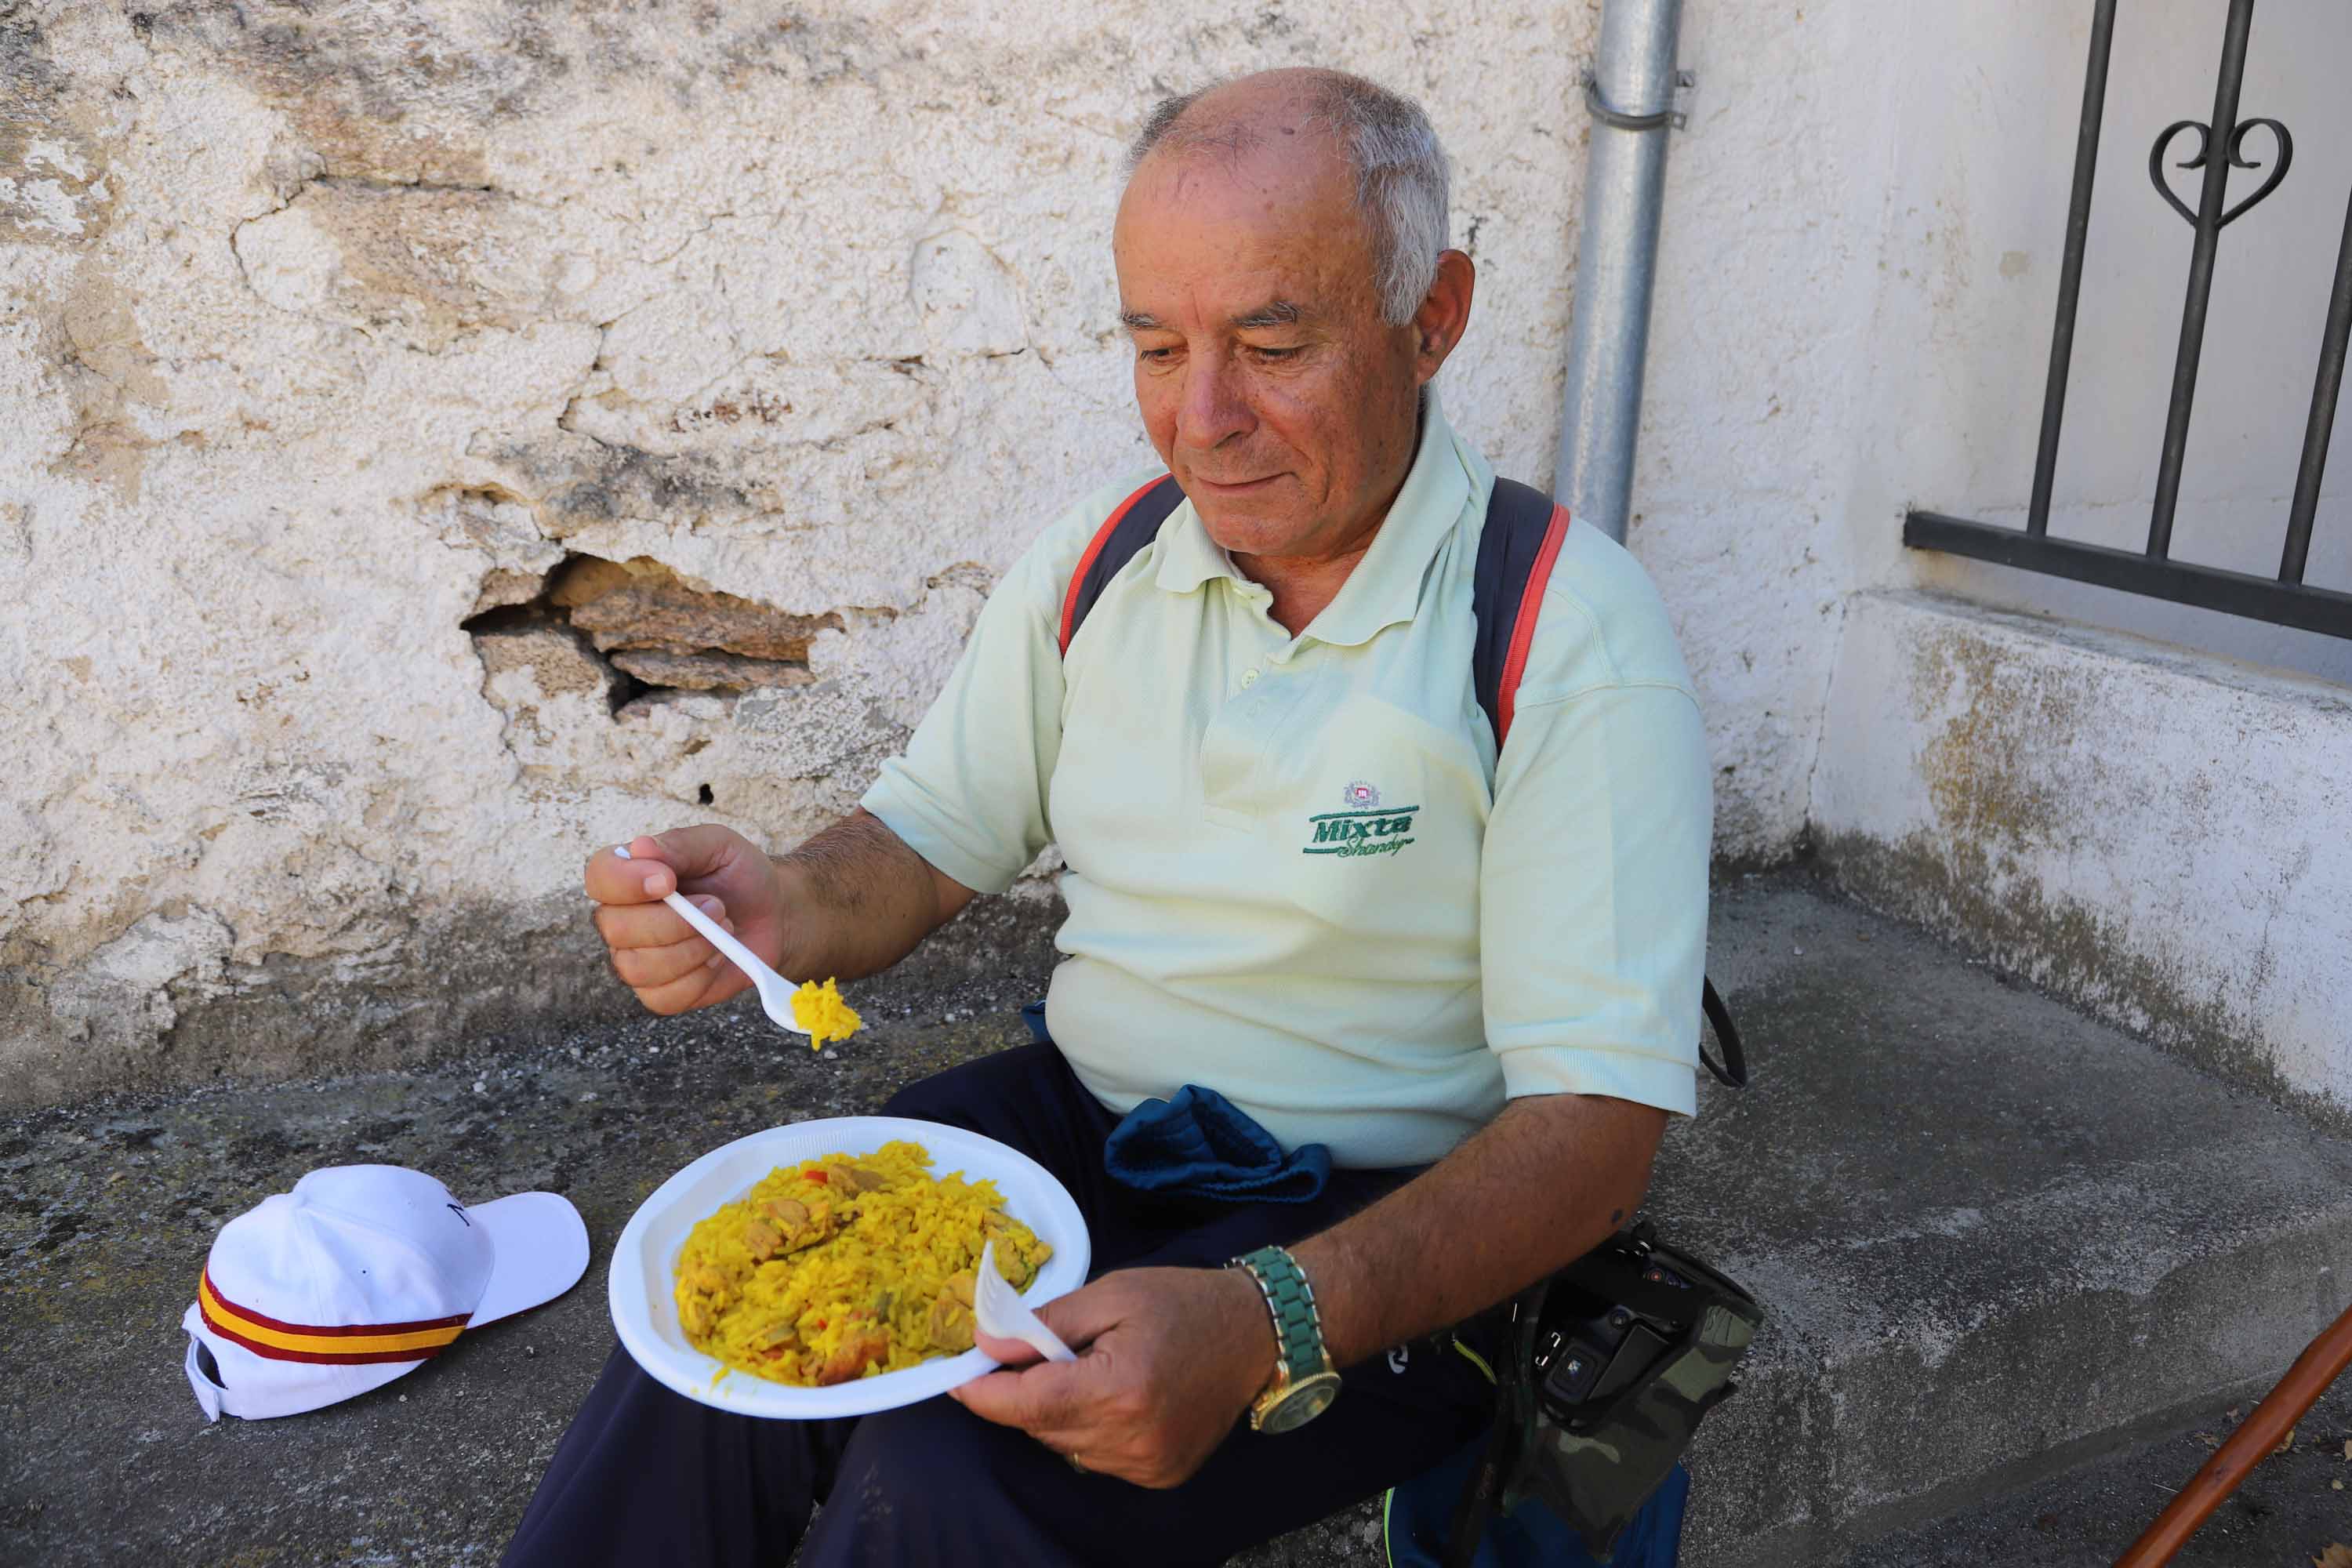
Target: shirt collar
(1384, 589)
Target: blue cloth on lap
(1199, 1145)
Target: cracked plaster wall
(328, 328)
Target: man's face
(1272, 389)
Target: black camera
(1590, 1347)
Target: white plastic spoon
(775, 991)
(999, 1310)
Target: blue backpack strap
(1132, 524)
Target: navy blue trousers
(645, 1477)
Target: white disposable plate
(644, 1260)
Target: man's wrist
(1258, 1347)
(793, 894)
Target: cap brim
(540, 1249)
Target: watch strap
(1297, 1323)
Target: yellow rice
(820, 1010)
(846, 1267)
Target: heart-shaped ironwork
(2238, 159)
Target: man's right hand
(654, 951)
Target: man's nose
(1215, 407)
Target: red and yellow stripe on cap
(347, 1346)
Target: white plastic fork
(775, 991)
(999, 1310)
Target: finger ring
(1073, 1460)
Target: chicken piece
(786, 1225)
(706, 1279)
(863, 1343)
(949, 1325)
(867, 1179)
(695, 1316)
(1018, 1253)
(763, 1239)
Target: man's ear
(1445, 314)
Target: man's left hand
(1168, 1360)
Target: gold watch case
(1288, 1405)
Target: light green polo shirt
(1296, 874)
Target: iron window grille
(2221, 145)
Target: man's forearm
(857, 900)
(1539, 1186)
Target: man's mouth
(1233, 487)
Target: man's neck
(1301, 588)
(1303, 585)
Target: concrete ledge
(1990, 1231)
(2158, 836)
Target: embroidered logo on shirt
(1365, 829)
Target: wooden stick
(2320, 1363)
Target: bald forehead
(1268, 109)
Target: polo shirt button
(1249, 678)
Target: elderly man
(1488, 1024)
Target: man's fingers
(646, 968)
(625, 926)
(1088, 1313)
(1012, 1354)
(658, 862)
(1036, 1399)
(700, 987)
(645, 876)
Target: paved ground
(2285, 1515)
(1954, 1237)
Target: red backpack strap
(1516, 547)
(1132, 524)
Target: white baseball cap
(359, 1274)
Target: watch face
(1301, 1403)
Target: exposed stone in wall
(658, 612)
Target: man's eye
(1268, 352)
(1153, 356)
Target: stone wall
(435, 438)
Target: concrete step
(1992, 1235)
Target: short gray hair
(1401, 172)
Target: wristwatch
(1305, 1381)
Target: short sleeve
(968, 793)
(1592, 888)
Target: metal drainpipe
(1631, 95)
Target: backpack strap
(1132, 524)
(1516, 547)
